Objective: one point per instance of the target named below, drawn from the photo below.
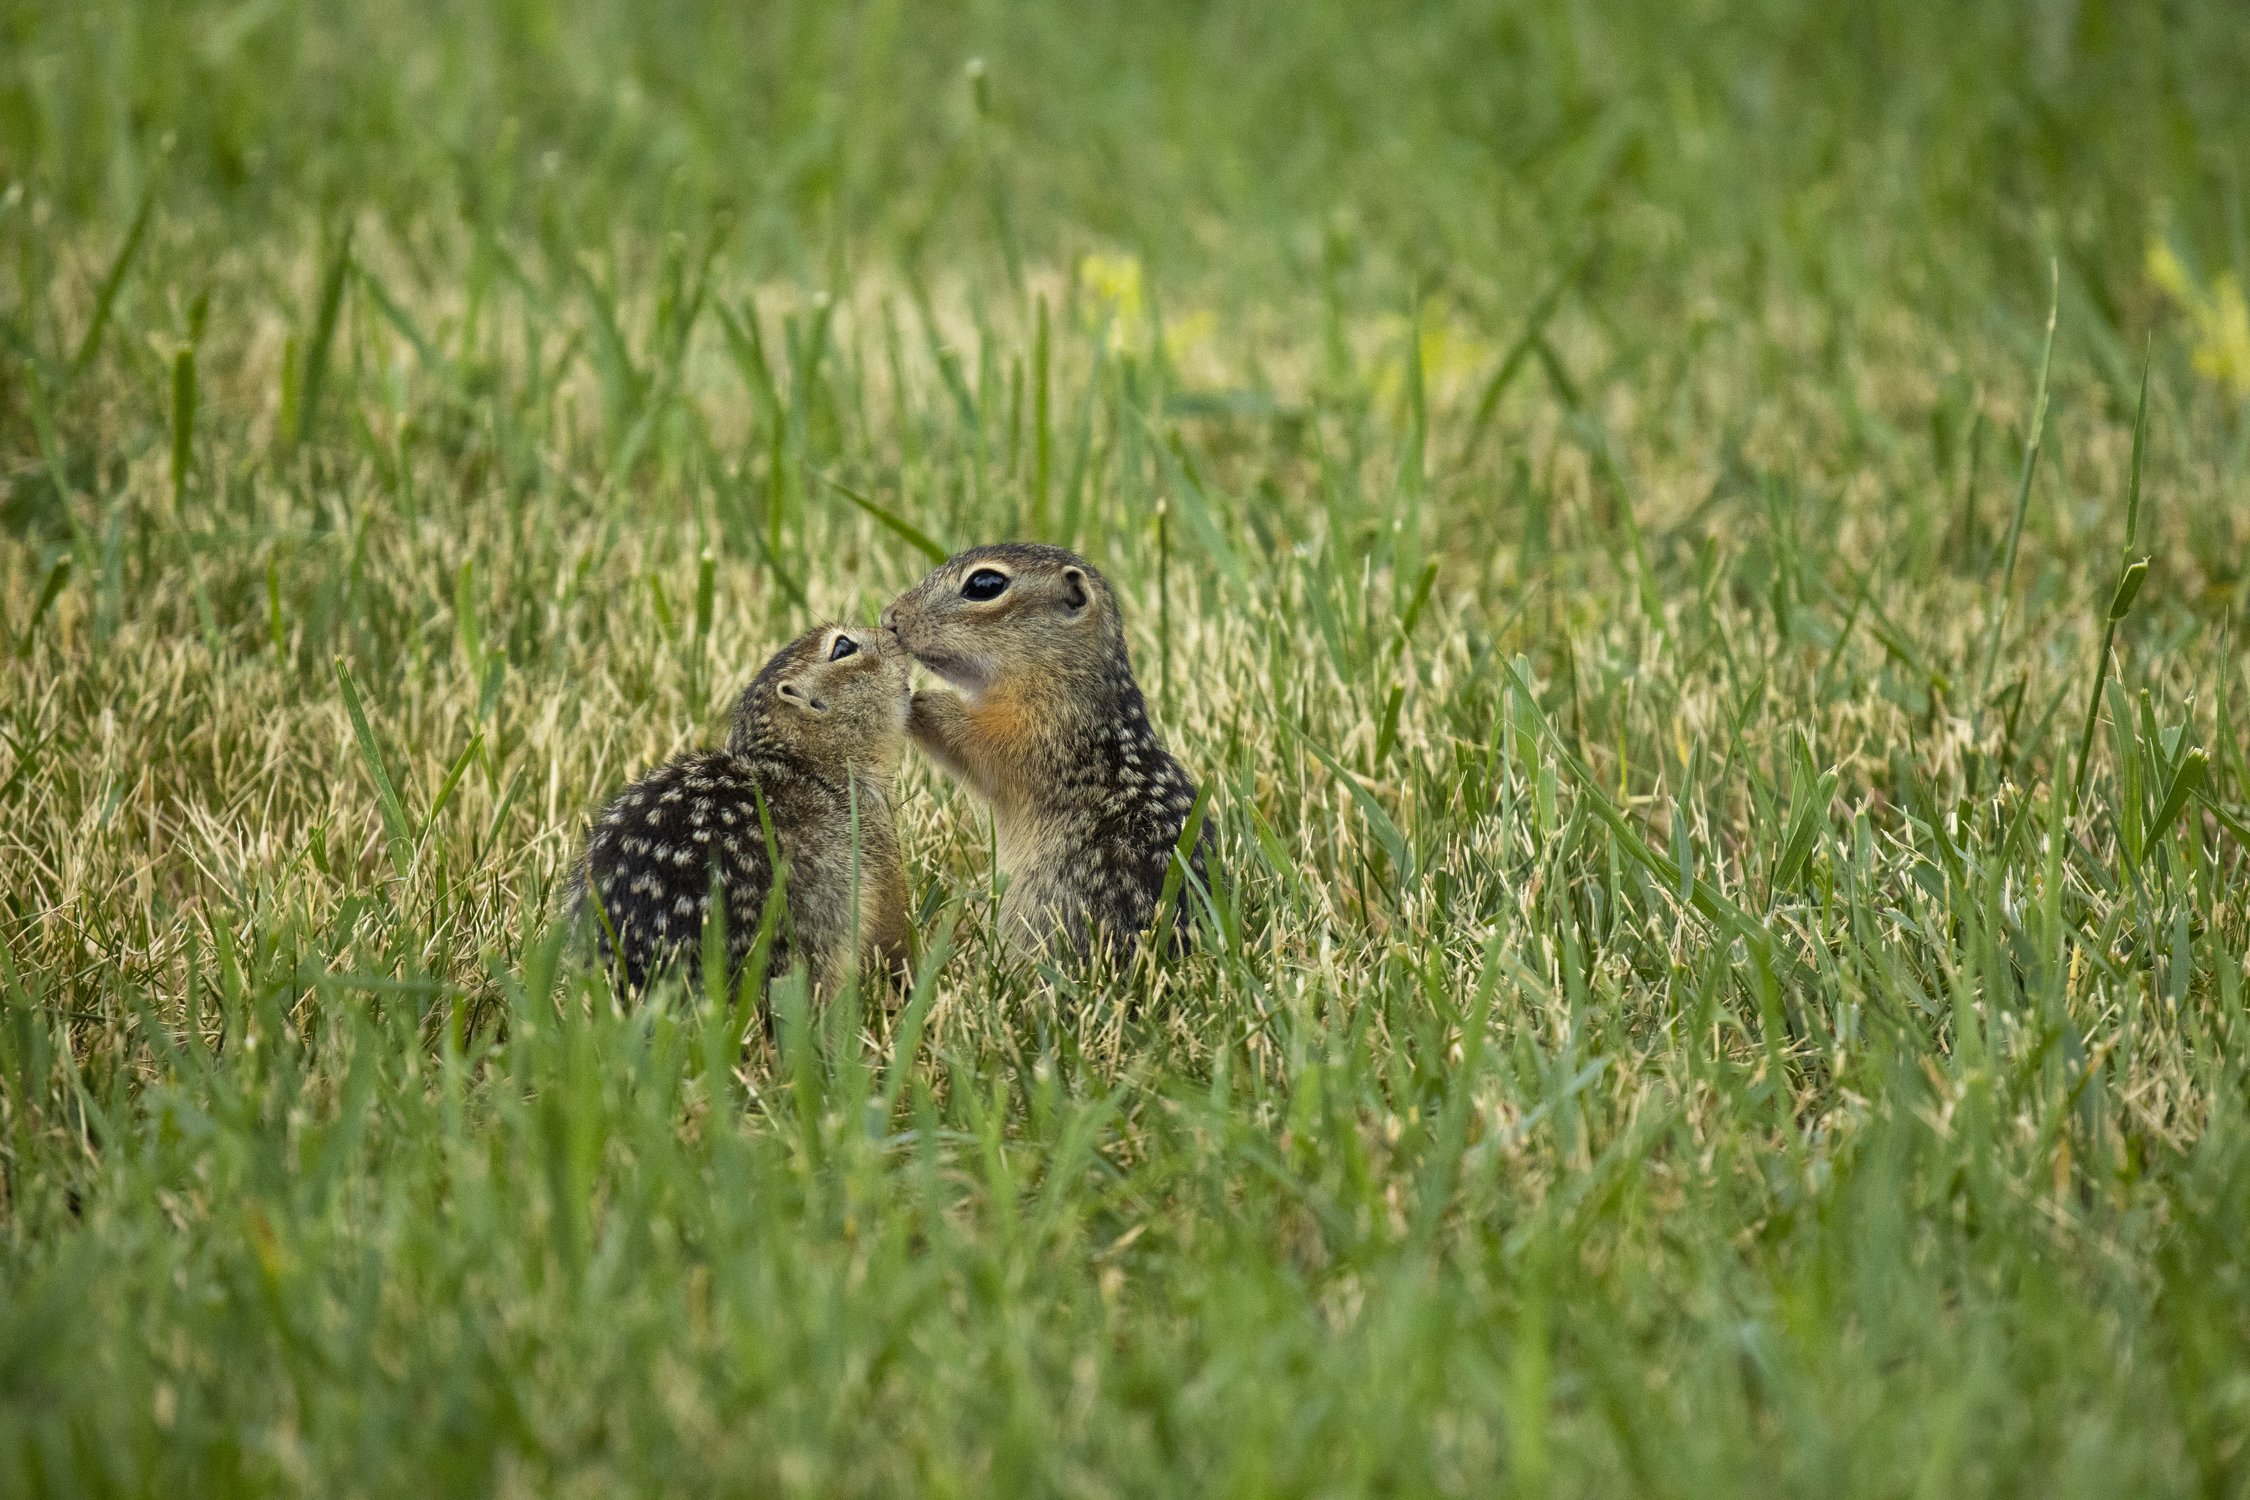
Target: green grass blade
(1176, 873)
(323, 334)
(1704, 897)
(58, 575)
(2031, 446)
(395, 823)
(2187, 780)
(1512, 362)
(398, 318)
(907, 1037)
(183, 422)
(446, 788)
(105, 299)
(920, 540)
(1379, 822)
(2129, 581)
(1196, 507)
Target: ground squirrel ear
(1074, 589)
(790, 692)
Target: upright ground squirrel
(817, 735)
(1043, 718)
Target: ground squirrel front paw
(932, 715)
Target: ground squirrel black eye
(983, 584)
(844, 647)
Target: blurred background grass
(1732, 1059)
(1143, 119)
(1888, 152)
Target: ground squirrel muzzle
(1042, 717)
(817, 738)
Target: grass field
(1729, 968)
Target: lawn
(1702, 552)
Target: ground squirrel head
(836, 695)
(1020, 616)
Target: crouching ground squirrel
(817, 735)
(1043, 718)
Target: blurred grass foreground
(1699, 547)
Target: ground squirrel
(817, 735)
(1044, 719)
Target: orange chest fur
(1004, 724)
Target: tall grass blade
(2031, 445)
(920, 540)
(1176, 873)
(113, 281)
(183, 422)
(1543, 308)
(1387, 835)
(396, 826)
(2133, 572)
(58, 575)
(323, 334)
(2186, 781)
